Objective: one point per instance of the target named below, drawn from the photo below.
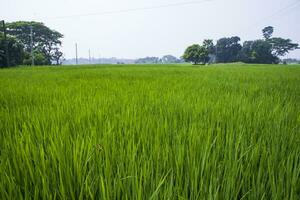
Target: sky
(140, 28)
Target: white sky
(154, 32)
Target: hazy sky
(167, 28)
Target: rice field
(150, 132)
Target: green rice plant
(150, 132)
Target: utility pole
(216, 53)
(76, 54)
(6, 44)
(31, 45)
(89, 56)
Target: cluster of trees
(45, 44)
(15, 49)
(156, 60)
(266, 51)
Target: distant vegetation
(93, 60)
(168, 59)
(291, 61)
(265, 51)
(150, 132)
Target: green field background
(150, 132)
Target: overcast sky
(139, 28)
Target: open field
(150, 132)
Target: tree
(280, 46)
(268, 50)
(57, 56)
(196, 54)
(268, 32)
(227, 49)
(39, 58)
(209, 45)
(45, 40)
(15, 51)
(258, 51)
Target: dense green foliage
(268, 32)
(281, 47)
(227, 49)
(15, 50)
(258, 51)
(46, 42)
(262, 51)
(196, 54)
(150, 132)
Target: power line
(131, 9)
(277, 13)
(283, 10)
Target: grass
(150, 132)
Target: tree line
(267, 50)
(25, 40)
